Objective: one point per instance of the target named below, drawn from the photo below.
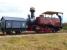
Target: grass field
(57, 41)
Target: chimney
(32, 10)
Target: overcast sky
(20, 8)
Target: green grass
(35, 42)
(65, 27)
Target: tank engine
(48, 21)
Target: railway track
(30, 34)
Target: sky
(20, 8)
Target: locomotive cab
(54, 17)
(49, 21)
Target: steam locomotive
(48, 21)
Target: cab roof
(51, 12)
